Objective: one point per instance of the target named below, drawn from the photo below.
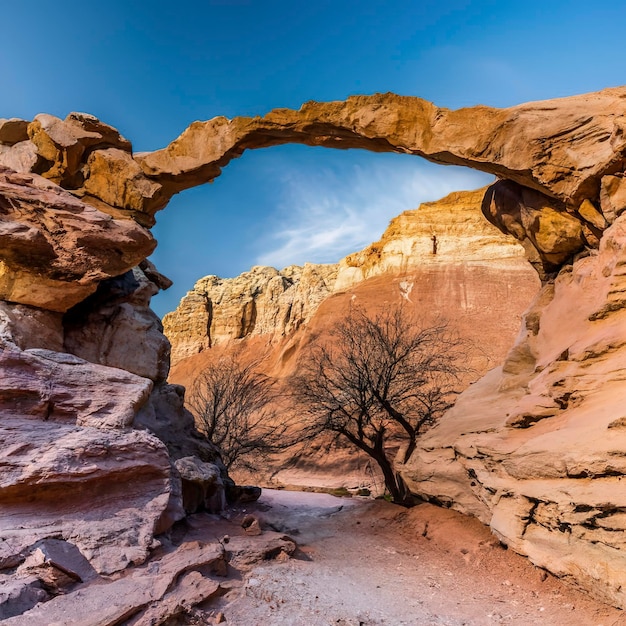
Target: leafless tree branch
(380, 377)
(233, 406)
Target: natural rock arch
(558, 158)
(75, 211)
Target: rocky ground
(364, 562)
(308, 559)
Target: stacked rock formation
(75, 208)
(261, 302)
(92, 436)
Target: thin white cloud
(322, 217)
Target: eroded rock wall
(449, 231)
(262, 302)
(89, 427)
(536, 449)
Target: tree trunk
(392, 483)
(410, 449)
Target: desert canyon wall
(97, 451)
(475, 270)
(443, 261)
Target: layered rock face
(89, 427)
(437, 234)
(261, 302)
(536, 448)
(75, 208)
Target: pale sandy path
(364, 562)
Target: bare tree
(380, 378)
(232, 403)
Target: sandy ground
(364, 562)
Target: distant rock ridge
(438, 233)
(274, 304)
(263, 301)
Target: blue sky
(152, 68)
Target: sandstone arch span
(554, 155)
(561, 160)
(560, 147)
